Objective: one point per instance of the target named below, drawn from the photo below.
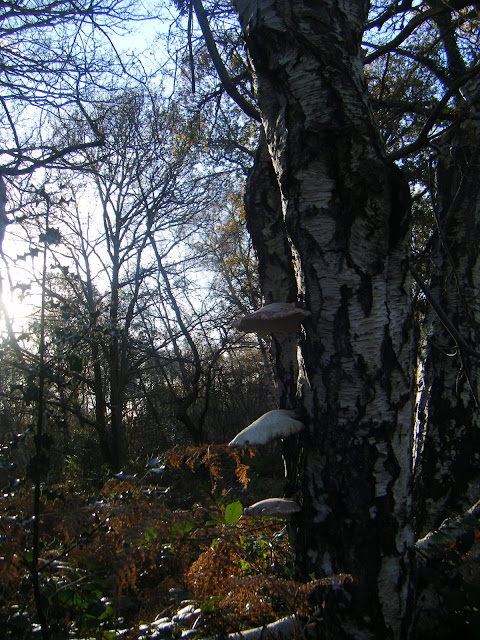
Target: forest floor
(161, 553)
(164, 551)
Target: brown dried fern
(214, 458)
(214, 570)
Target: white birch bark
(343, 213)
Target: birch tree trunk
(448, 463)
(341, 229)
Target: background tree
(53, 53)
(151, 199)
(133, 328)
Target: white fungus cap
(279, 423)
(273, 318)
(273, 507)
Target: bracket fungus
(279, 423)
(273, 507)
(273, 318)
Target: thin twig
(448, 324)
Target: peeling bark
(344, 212)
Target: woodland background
(125, 261)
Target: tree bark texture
(447, 470)
(340, 228)
(263, 209)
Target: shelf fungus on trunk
(279, 423)
(278, 507)
(273, 318)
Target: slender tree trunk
(100, 407)
(344, 211)
(98, 388)
(448, 465)
(117, 426)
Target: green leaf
(28, 557)
(209, 606)
(38, 467)
(106, 614)
(233, 511)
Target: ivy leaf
(75, 363)
(31, 393)
(23, 287)
(28, 557)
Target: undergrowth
(115, 557)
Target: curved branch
(222, 71)
(422, 137)
(10, 121)
(392, 10)
(48, 160)
(447, 323)
(408, 106)
(417, 20)
(439, 71)
(431, 121)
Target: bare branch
(447, 323)
(223, 74)
(414, 23)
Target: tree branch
(447, 323)
(437, 542)
(222, 71)
(417, 20)
(422, 137)
(48, 160)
